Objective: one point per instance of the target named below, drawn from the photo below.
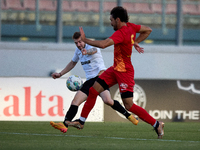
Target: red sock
(89, 104)
(142, 114)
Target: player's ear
(117, 19)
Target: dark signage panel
(166, 100)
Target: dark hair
(76, 35)
(119, 12)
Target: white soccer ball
(74, 83)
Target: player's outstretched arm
(69, 67)
(97, 43)
(56, 75)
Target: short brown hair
(76, 35)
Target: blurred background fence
(36, 20)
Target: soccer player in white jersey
(93, 66)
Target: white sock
(82, 119)
(155, 124)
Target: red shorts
(125, 80)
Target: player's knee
(74, 102)
(127, 98)
(77, 101)
(127, 106)
(127, 94)
(107, 100)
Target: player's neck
(122, 24)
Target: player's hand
(82, 34)
(56, 75)
(138, 48)
(84, 51)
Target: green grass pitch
(98, 136)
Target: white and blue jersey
(92, 64)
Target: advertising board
(39, 99)
(166, 100)
(45, 99)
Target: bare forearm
(142, 36)
(96, 43)
(93, 42)
(91, 51)
(69, 67)
(144, 33)
(99, 43)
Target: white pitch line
(117, 138)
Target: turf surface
(98, 136)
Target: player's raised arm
(82, 34)
(97, 43)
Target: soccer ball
(74, 83)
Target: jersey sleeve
(75, 58)
(136, 27)
(117, 37)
